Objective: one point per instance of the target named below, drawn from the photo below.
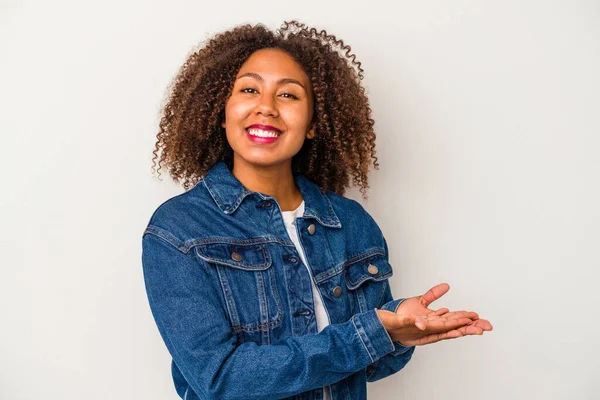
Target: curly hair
(191, 139)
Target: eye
(248, 90)
(289, 96)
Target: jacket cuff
(372, 333)
(392, 306)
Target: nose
(266, 106)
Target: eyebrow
(279, 82)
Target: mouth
(263, 134)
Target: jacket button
(236, 256)
(311, 229)
(337, 291)
(372, 269)
(264, 204)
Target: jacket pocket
(367, 278)
(249, 287)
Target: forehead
(274, 63)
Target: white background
(488, 123)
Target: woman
(264, 281)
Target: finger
(437, 313)
(441, 311)
(483, 324)
(470, 330)
(434, 293)
(459, 314)
(443, 336)
(451, 317)
(441, 325)
(435, 337)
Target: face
(269, 113)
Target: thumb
(392, 320)
(419, 323)
(412, 320)
(434, 293)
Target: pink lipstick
(262, 134)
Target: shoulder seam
(167, 237)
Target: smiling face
(268, 115)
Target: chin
(264, 161)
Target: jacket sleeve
(401, 355)
(190, 311)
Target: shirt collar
(228, 193)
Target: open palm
(415, 324)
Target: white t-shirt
(322, 318)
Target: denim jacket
(233, 301)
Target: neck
(276, 181)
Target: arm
(401, 355)
(188, 307)
(428, 325)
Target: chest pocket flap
(373, 267)
(249, 257)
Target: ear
(223, 124)
(311, 133)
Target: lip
(264, 128)
(263, 140)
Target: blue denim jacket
(233, 301)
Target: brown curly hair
(191, 139)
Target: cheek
(236, 110)
(298, 118)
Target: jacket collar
(228, 193)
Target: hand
(414, 324)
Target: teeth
(261, 133)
